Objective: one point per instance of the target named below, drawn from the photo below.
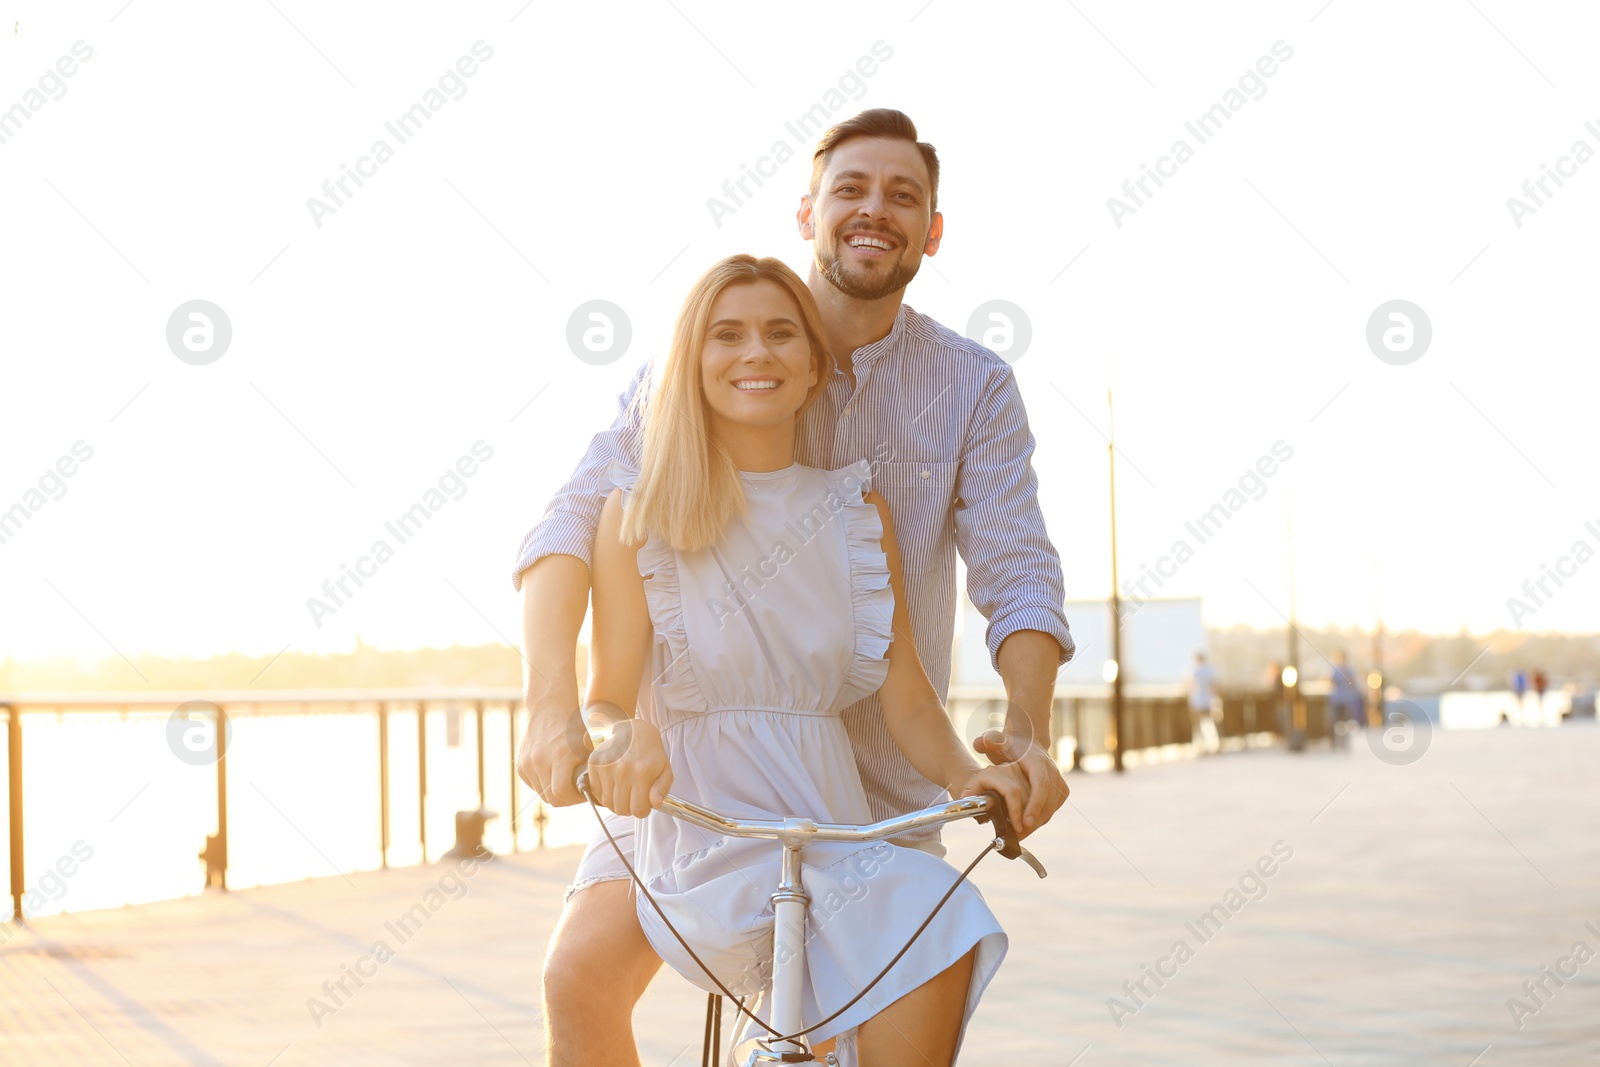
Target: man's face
(871, 222)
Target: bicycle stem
(789, 906)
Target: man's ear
(935, 234)
(803, 217)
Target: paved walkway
(1405, 906)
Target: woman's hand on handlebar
(630, 773)
(1006, 779)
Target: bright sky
(377, 343)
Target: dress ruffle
(675, 685)
(872, 597)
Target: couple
(769, 531)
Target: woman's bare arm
(630, 775)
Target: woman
(763, 598)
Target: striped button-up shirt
(940, 421)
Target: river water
(113, 817)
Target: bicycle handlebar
(798, 832)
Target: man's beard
(857, 285)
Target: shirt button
(927, 474)
(847, 409)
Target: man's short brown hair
(878, 122)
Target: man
(1344, 700)
(1202, 697)
(942, 424)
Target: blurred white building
(1159, 640)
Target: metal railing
(222, 706)
(1154, 716)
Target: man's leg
(596, 969)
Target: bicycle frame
(791, 905)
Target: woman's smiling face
(757, 366)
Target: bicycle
(785, 1041)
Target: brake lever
(1010, 846)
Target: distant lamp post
(1297, 708)
(1109, 673)
(1291, 672)
(1114, 678)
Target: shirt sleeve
(1013, 571)
(573, 514)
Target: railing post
(511, 744)
(1057, 727)
(1077, 733)
(422, 775)
(14, 804)
(478, 729)
(221, 741)
(383, 783)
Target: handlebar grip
(1010, 845)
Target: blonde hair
(688, 489)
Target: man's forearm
(1028, 661)
(555, 598)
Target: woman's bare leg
(920, 1029)
(597, 967)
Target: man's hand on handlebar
(552, 751)
(1008, 780)
(1047, 788)
(630, 773)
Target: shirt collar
(868, 354)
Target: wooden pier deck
(1405, 907)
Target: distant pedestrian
(1541, 682)
(1519, 690)
(1203, 701)
(1344, 700)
